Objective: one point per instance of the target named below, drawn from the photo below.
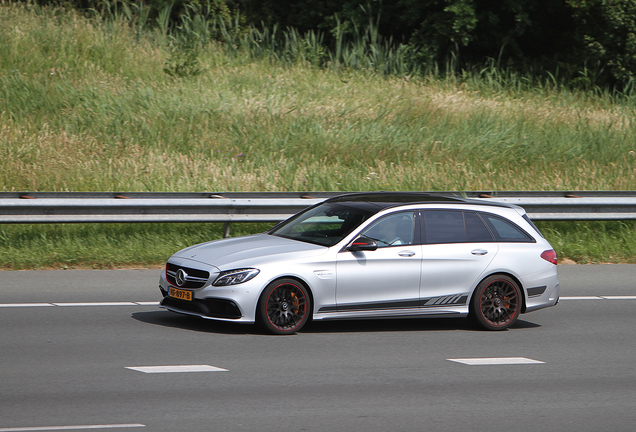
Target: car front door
(387, 278)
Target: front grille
(213, 308)
(194, 278)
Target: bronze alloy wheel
(496, 303)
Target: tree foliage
(606, 36)
(591, 42)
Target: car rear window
(506, 231)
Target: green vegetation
(123, 102)
(103, 246)
(592, 242)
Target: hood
(248, 251)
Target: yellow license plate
(181, 294)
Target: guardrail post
(226, 229)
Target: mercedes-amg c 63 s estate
(371, 255)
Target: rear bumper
(550, 297)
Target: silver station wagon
(371, 255)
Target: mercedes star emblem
(181, 277)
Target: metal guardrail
(132, 207)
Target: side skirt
(415, 312)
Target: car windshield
(325, 224)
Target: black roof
(392, 199)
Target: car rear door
(458, 247)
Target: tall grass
(125, 102)
(593, 242)
(103, 246)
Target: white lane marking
(16, 305)
(176, 369)
(78, 427)
(598, 298)
(96, 304)
(496, 361)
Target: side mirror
(362, 244)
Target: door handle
(479, 252)
(406, 253)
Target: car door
(458, 247)
(388, 277)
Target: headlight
(233, 277)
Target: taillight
(550, 255)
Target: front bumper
(236, 303)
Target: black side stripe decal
(455, 300)
(458, 299)
(371, 306)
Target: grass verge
(111, 246)
(103, 246)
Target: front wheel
(284, 307)
(496, 303)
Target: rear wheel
(284, 307)
(496, 303)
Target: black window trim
(527, 219)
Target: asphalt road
(68, 339)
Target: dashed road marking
(95, 304)
(598, 298)
(76, 427)
(68, 304)
(17, 305)
(176, 369)
(496, 361)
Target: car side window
(506, 231)
(476, 230)
(453, 226)
(444, 226)
(393, 230)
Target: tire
(496, 303)
(284, 307)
